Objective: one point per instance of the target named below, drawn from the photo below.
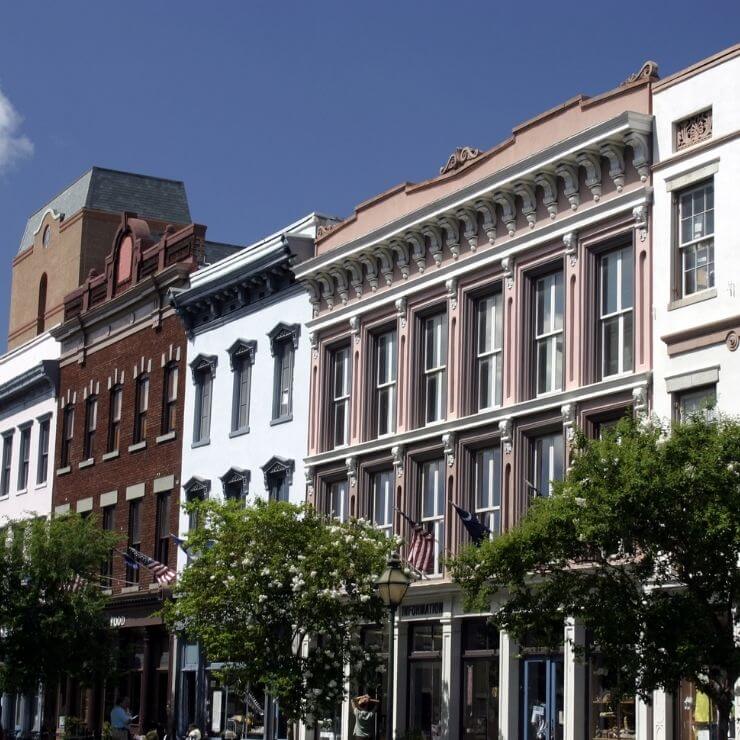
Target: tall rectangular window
(91, 425)
(386, 354)
(162, 528)
(142, 408)
(203, 394)
(616, 311)
(114, 418)
(435, 368)
(696, 238)
(106, 569)
(339, 500)
(383, 501)
(433, 507)
(7, 463)
(549, 332)
(488, 487)
(548, 463)
(68, 430)
(42, 466)
(169, 401)
(134, 538)
(340, 371)
(24, 459)
(242, 383)
(489, 347)
(277, 486)
(283, 393)
(695, 401)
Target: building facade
(461, 328)
(122, 383)
(246, 422)
(696, 276)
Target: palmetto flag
(421, 549)
(163, 574)
(476, 529)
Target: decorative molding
(640, 401)
(327, 288)
(451, 288)
(487, 209)
(371, 270)
(570, 242)
(351, 465)
(549, 184)
(236, 475)
(284, 332)
(203, 363)
(434, 234)
(648, 71)
(418, 249)
(505, 430)
(341, 283)
(568, 412)
(385, 259)
(640, 214)
(400, 304)
(525, 190)
(693, 129)
(732, 341)
(197, 488)
(242, 349)
(354, 328)
(325, 230)
(448, 443)
(614, 152)
(451, 226)
(458, 158)
(308, 476)
(591, 162)
(508, 210)
(469, 217)
(277, 465)
(403, 260)
(568, 173)
(640, 145)
(356, 279)
(313, 340)
(507, 267)
(399, 453)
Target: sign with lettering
(431, 609)
(114, 622)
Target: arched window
(41, 310)
(46, 237)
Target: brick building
(119, 443)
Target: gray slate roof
(112, 191)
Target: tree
(51, 605)
(278, 594)
(641, 544)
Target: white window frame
(386, 344)
(24, 457)
(706, 240)
(622, 313)
(242, 393)
(492, 305)
(485, 508)
(383, 488)
(435, 522)
(338, 495)
(537, 454)
(548, 338)
(42, 463)
(435, 368)
(203, 405)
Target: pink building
(462, 327)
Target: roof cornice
(45, 373)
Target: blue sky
(269, 110)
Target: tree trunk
(723, 722)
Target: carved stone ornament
(507, 267)
(351, 465)
(639, 401)
(277, 465)
(648, 71)
(400, 304)
(694, 129)
(238, 476)
(204, 363)
(458, 158)
(568, 173)
(525, 190)
(469, 217)
(284, 333)
(732, 341)
(508, 210)
(242, 350)
(568, 412)
(504, 428)
(401, 249)
(549, 185)
(398, 452)
(451, 288)
(639, 213)
(308, 475)
(451, 227)
(487, 209)
(325, 230)
(354, 327)
(591, 162)
(313, 340)
(197, 488)
(448, 442)
(570, 242)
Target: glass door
(543, 699)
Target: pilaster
(643, 720)
(574, 681)
(662, 715)
(508, 688)
(401, 631)
(402, 402)
(573, 319)
(512, 348)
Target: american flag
(163, 574)
(421, 550)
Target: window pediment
(197, 488)
(235, 477)
(204, 363)
(242, 349)
(284, 332)
(277, 465)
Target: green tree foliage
(641, 544)
(278, 594)
(51, 606)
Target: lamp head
(393, 582)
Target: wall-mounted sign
(114, 622)
(432, 609)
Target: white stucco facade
(695, 337)
(27, 404)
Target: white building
(696, 271)
(246, 411)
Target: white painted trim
(696, 174)
(61, 509)
(693, 379)
(165, 483)
(85, 504)
(56, 215)
(136, 491)
(108, 499)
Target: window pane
(485, 396)
(627, 343)
(609, 283)
(383, 500)
(610, 339)
(543, 305)
(627, 279)
(548, 462)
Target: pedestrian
(193, 733)
(120, 719)
(364, 709)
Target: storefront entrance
(542, 700)
(425, 679)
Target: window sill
(111, 455)
(21, 492)
(201, 443)
(86, 463)
(138, 446)
(702, 295)
(4, 496)
(239, 432)
(281, 420)
(65, 470)
(166, 437)
(41, 485)
(129, 589)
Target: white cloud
(13, 145)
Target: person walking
(120, 719)
(364, 709)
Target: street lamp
(392, 585)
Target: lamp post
(392, 585)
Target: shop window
(488, 487)
(7, 463)
(162, 528)
(42, 464)
(339, 500)
(610, 716)
(204, 371)
(433, 507)
(695, 248)
(114, 418)
(142, 408)
(480, 680)
(616, 311)
(489, 350)
(695, 402)
(24, 458)
(435, 368)
(68, 430)
(134, 539)
(375, 641)
(169, 402)
(547, 463)
(340, 390)
(548, 338)
(106, 569)
(91, 424)
(383, 501)
(283, 345)
(425, 680)
(386, 359)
